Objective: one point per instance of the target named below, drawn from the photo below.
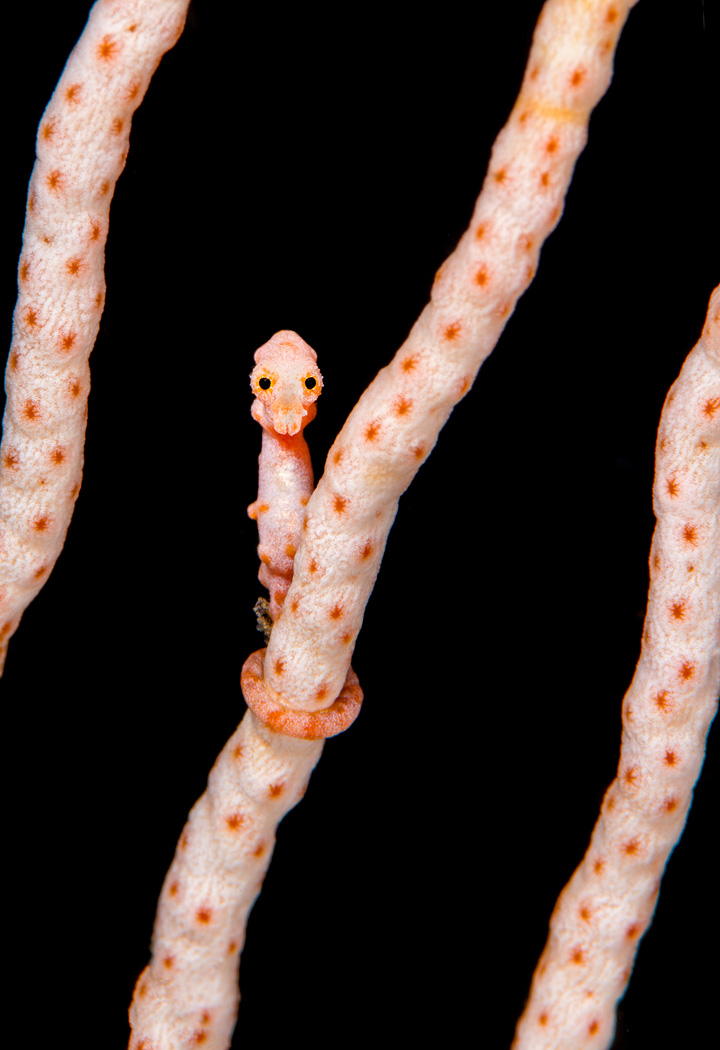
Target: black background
(308, 171)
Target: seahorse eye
(264, 383)
(310, 382)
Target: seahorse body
(286, 382)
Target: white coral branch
(608, 904)
(82, 146)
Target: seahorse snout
(287, 410)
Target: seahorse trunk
(285, 484)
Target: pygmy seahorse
(286, 382)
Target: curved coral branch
(395, 425)
(608, 904)
(82, 145)
(189, 993)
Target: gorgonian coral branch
(82, 146)
(608, 904)
(188, 995)
(395, 424)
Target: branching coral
(551, 383)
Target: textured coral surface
(608, 904)
(81, 149)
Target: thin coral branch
(82, 146)
(608, 904)
(396, 423)
(189, 993)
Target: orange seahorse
(286, 382)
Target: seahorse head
(286, 382)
